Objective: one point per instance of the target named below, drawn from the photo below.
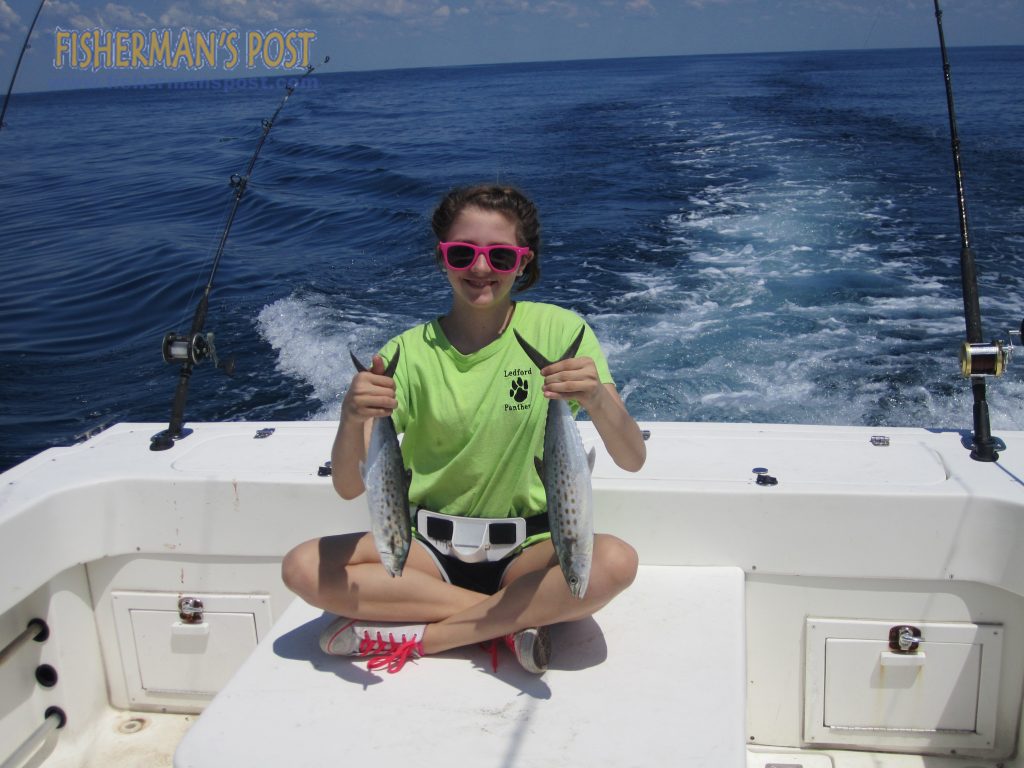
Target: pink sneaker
(390, 642)
(531, 646)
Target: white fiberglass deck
(656, 678)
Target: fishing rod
(977, 359)
(191, 349)
(24, 47)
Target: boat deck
(705, 661)
(656, 678)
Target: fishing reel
(987, 359)
(179, 348)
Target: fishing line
(24, 47)
(208, 263)
(192, 348)
(871, 31)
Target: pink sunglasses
(500, 258)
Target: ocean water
(755, 238)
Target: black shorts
(482, 577)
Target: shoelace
(492, 646)
(372, 646)
(395, 659)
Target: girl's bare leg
(343, 574)
(535, 594)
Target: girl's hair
(509, 202)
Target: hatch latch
(904, 638)
(190, 610)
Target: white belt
(471, 539)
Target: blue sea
(755, 238)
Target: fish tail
(575, 346)
(355, 361)
(393, 363)
(542, 362)
(538, 359)
(389, 371)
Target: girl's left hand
(577, 379)
(573, 379)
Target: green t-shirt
(473, 423)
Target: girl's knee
(299, 568)
(316, 564)
(619, 561)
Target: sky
(277, 37)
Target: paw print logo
(520, 389)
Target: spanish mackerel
(565, 471)
(387, 488)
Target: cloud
(562, 8)
(61, 11)
(844, 6)
(354, 15)
(207, 14)
(346, 10)
(566, 10)
(63, 14)
(487, 7)
(641, 6)
(110, 16)
(121, 16)
(8, 18)
(183, 15)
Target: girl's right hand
(371, 394)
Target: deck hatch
(167, 659)
(938, 697)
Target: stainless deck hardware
(904, 638)
(261, 434)
(763, 478)
(190, 610)
(880, 441)
(36, 630)
(53, 719)
(324, 470)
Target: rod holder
(37, 630)
(53, 720)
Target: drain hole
(134, 725)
